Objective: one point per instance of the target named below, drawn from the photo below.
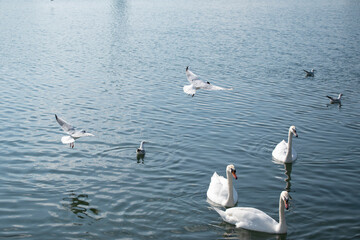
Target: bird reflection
(288, 169)
(140, 158)
(79, 205)
(243, 234)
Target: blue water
(117, 68)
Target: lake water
(117, 68)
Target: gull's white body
(284, 151)
(196, 83)
(73, 133)
(221, 191)
(256, 220)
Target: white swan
(141, 150)
(310, 74)
(221, 191)
(335, 100)
(256, 220)
(74, 134)
(196, 83)
(284, 152)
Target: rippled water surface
(117, 68)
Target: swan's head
(340, 95)
(187, 68)
(292, 129)
(208, 82)
(285, 196)
(231, 169)
(313, 70)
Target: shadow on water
(80, 206)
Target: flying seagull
(196, 83)
(73, 133)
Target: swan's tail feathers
(67, 140)
(330, 97)
(221, 213)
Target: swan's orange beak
(233, 172)
(286, 204)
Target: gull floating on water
(335, 100)
(141, 150)
(196, 83)
(310, 74)
(73, 134)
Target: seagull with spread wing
(196, 83)
(73, 133)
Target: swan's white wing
(64, 125)
(189, 89)
(251, 219)
(218, 190)
(191, 76)
(67, 139)
(279, 153)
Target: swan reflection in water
(79, 205)
(243, 234)
(288, 169)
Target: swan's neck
(288, 157)
(282, 221)
(141, 145)
(230, 200)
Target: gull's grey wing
(191, 76)
(64, 125)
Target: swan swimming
(196, 83)
(73, 134)
(256, 220)
(335, 100)
(221, 191)
(141, 150)
(310, 74)
(284, 152)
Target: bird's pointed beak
(287, 204)
(234, 174)
(295, 134)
